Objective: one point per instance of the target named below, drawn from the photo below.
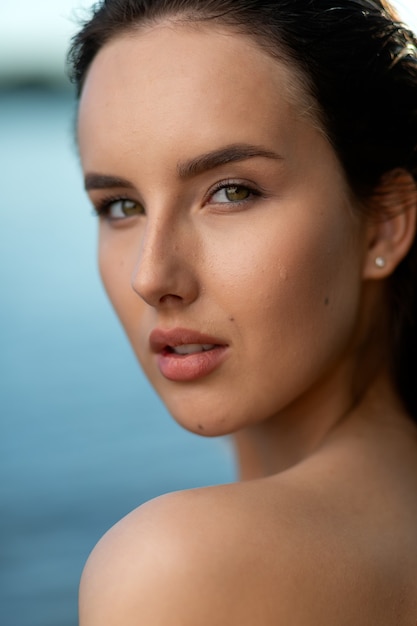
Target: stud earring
(380, 262)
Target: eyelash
(102, 208)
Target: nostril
(170, 297)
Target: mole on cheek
(200, 427)
(326, 302)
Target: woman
(253, 166)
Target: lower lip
(188, 367)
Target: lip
(186, 367)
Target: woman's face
(228, 245)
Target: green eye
(231, 193)
(120, 209)
(130, 208)
(236, 193)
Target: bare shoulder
(161, 564)
(192, 557)
(263, 552)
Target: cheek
(117, 260)
(116, 266)
(321, 295)
(294, 286)
(112, 267)
(300, 256)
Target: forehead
(194, 83)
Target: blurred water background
(84, 439)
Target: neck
(285, 440)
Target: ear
(392, 226)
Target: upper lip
(160, 339)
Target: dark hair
(358, 61)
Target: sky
(35, 33)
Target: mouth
(190, 348)
(184, 355)
(182, 341)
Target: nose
(165, 274)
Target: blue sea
(84, 439)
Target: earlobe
(392, 225)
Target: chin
(201, 424)
(201, 418)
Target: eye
(119, 209)
(231, 193)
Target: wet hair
(358, 63)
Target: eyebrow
(222, 156)
(101, 181)
(192, 167)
